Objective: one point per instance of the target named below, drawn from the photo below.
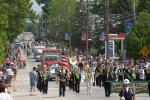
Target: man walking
(45, 81)
(33, 80)
(77, 80)
(62, 83)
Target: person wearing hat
(127, 93)
(3, 94)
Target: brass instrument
(73, 60)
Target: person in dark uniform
(62, 83)
(40, 80)
(45, 81)
(127, 93)
(71, 81)
(98, 75)
(77, 80)
(148, 78)
(107, 76)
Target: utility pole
(59, 29)
(87, 30)
(107, 27)
(69, 32)
(134, 12)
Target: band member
(77, 80)
(98, 75)
(89, 81)
(107, 76)
(62, 82)
(72, 80)
(148, 78)
(40, 79)
(45, 81)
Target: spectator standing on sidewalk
(10, 74)
(3, 94)
(33, 80)
(1, 74)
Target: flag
(102, 35)
(128, 25)
(66, 36)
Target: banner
(67, 37)
(138, 86)
(83, 36)
(128, 25)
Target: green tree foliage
(56, 16)
(144, 6)
(139, 36)
(78, 25)
(12, 15)
(17, 12)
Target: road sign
(145, 51)
(117, 36)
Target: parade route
(22, 88)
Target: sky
(36, 7)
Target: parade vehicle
(49, 60)
(38, 50)
(52, 51)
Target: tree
(78, 25)
(17, 12)
(12, 16)
(144, 6)
(138, 36)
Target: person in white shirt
(3, 95)
(10, 74)
(1, 74)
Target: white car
(53, 71)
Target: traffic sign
(145, 51)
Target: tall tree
(19, 10)
(12, 18)
(138, 36)
(144, 6)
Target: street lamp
(69, 26)
(87, 30)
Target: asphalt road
(22, 87)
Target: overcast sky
(36, 7)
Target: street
(22, 88)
